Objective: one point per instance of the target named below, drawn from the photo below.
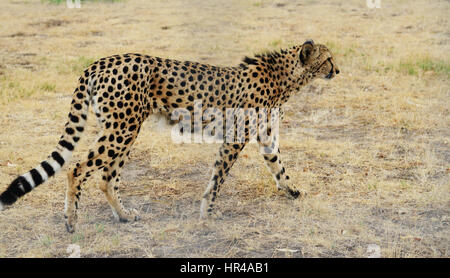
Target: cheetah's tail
(63, 152)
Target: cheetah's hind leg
(110, 186)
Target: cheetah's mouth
(330, 74)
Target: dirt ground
(371, 147)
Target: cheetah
(124, 90)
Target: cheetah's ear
(307, 50)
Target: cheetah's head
(318, 60)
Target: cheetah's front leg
(273, 162)
(228, 154)
(269, 148)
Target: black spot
(66, 145)
(37, 178)
(48, 168)
(70, 130)
(74, 119)
(91, 155)
(128, 141)
(57, 157)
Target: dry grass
(371, 146)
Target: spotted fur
(124, 90)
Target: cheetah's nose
(337, 71)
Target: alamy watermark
(234, 125)
(71, 4)
(372, 4)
